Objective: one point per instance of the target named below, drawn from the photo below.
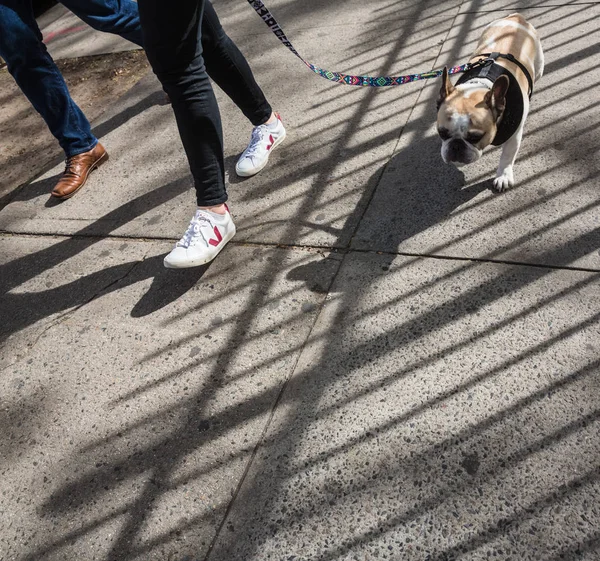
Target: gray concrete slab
(442, 410)
(297, 16)
(127, 425)
(46, 279)
(510, 6)
(423, 206)
(66, 36)
(319, 181)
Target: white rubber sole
(260, 168)
(201, 260)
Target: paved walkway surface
(390, 362)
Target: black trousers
(186, 45)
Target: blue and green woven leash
(338, 77)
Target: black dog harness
(513, 114)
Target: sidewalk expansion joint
(263, 435)
(482, 260)
(321, 248)
(399, 138)
(345, 251)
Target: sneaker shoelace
(258, 135)
(194, 230)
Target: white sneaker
(205, 237)
(262, 142)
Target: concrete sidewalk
(389, 362)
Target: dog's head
(468, 118)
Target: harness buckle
(481, 63)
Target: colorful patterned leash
(338, 77)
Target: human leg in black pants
(185, 43)
(228, 67)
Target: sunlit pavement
(390, 360)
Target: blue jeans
(38, 76)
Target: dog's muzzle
(459, 152)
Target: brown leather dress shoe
(77, 170)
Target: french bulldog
(490, 101)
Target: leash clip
(481, 63)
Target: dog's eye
(444, 134)
(474, 137)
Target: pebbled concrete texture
(295, 403)
(128, 425)
(46, 279)
(443, 410)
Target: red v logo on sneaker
(219, 239)
(271, 140)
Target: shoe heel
(102, 160)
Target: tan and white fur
(469, 114)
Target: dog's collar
(477, 82)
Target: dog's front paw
(504, 180)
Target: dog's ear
(495, 99)
(446, 89)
